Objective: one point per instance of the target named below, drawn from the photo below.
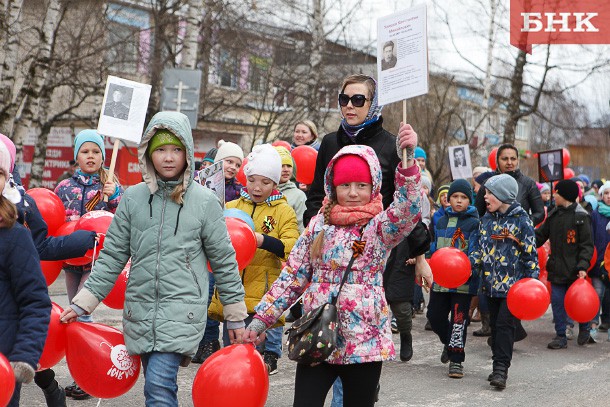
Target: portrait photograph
(459, 161)
(118, 102)
(550, 165)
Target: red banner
(559, 22)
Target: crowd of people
(360, 232)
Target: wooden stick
(404, 120)
(115, 151)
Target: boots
(55, 395)
(406, 347)
(498, 377)
(485, 328)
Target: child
(503, 253)
(545, 194)
(276, 233)
(296, 198)
(568, 227)
(171, 227)
(600, 218)
(25, 306)
(232, 156)
(82, 193)
(351, 223)
(454, 229)
(50, 248)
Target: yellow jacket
(273, 217)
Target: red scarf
(353, 215)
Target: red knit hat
(351, 168)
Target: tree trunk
(8, 66)
(39, 71)
(514, 102)
(191, 38)
(491, 33)
(315, 60)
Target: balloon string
(99, 402)
(94, 250)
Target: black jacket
(399, 278)
(569, 229)
(374, 136)
(528, 196)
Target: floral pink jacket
(364, 320)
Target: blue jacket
(504, 250)
(455, 229)
(50, 247)
(601, 238)
(25, 307)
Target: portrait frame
(544, 172)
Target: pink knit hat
(351, 168)
(12, 151)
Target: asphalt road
(539, 376)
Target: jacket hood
(180, 126)
(471, 211)
(286, 186)
(365, 152)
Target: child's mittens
(406, 139)
(257, 326)
(24, 373)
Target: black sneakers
(205, 351)
(76, 392)
(55, 395)
(584, 337)
(558, 342)
(270, 360)
(456, 370)
(445, 355)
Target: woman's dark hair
(505, 147)
(8, 212)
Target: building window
(123, 48)
(259, 68)
(471, 119)
(227, 69)
(521, 130)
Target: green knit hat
(161, 138)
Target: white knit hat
(603, 188)
(228, 149)
(266, 161)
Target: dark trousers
(503, 325)
(448, 316)
(359, 383)
(605, 315)
(558, 294)
(403, 312)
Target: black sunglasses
(357, 100)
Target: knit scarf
(353, 215)
(603, 209)
(372, 116)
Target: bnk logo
(559, 22)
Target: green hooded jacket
(170, 245)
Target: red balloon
(51, 270)
(98, 360)
(282, 143)
(450, 267)
(116, 297)
(98, 222)
(491, 158)
(241, 176)
(568, 173)
(66, 228)
(233, 376)
(243, 240)
(7, 378)
(528, 299)
(566, 157)
(305, 160)
(581, 301)
(593, 259)
(50, 206)
(543, 257)
(55, 345)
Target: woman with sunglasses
(362, 124)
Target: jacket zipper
(157, 268)
(189, 268)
